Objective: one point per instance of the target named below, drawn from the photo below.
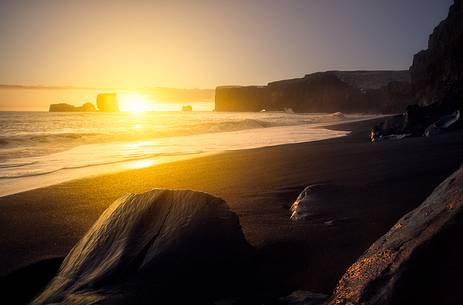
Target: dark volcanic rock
(300, 297)
(237, 98)
(416, 121)
(63, 107)
(437, 81)
(332, 91)
(418, 261)
(107, 102)
(163, 246)
(437, 73)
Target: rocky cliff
(346, 91)
(437, 72)
(437, 84)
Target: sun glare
(133, 102)
(141, 164)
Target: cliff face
(437, 84)
(353, 91)
(437, 73)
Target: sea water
(39, 148)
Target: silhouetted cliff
(346, 91)
(63, 107)
(437, 73)
(437, 84)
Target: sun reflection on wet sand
(141, 163)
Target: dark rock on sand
(164, 246)
(437, 82)
(310, 202)
(416, 121)
(300, 297)
(418, 261)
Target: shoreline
(374, 184)
(305, 133)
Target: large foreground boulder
(420, 259)
(162, 246)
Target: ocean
(38, 149)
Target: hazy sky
(206, 43)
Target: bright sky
(187, 44)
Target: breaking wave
(52, 148)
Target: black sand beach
(372, 185)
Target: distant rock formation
(107, 102)
(332, 91)
(187, 108)
(437, 81)
(162, 246)
(418, 261)
(63, 107)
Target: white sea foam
(41, 149)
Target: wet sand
(373, 185)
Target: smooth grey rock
(153, 245)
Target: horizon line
(67, 87)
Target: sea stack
(63, 107)
(107, 102)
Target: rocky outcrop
(416, 121)
(241, 98)
(187, 108)
(310, 201)
(63, 107)
(332, 91)
(418, 261)
(437, 82)
(437, 73)
(107, 102)
(163, 246)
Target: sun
(133, 102)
